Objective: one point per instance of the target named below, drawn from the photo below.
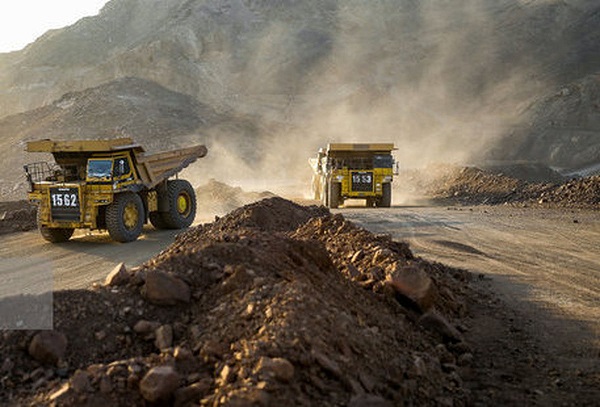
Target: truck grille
(362, 181)
(65, 204)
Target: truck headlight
(387, 178)
(339, 178)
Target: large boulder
(164, 289)
(159, 384)
(413, 284)
(48, 347)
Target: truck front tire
(334, 194)
(386, 196)
(54, 235)
(125, 217)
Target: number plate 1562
(66, 199)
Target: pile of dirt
(474, 186)
(219, 198)
(273, 304)
(17, 216)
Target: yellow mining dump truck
(111, 185)
(354, 171)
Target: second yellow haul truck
(111, 185)
(354, 171)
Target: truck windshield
(99, 169)
(383, 161)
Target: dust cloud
(442, 80)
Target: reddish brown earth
(287, 304)
(474, 186)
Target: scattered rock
(414, 284)
(278, 368)
(118, 276)
(369, 400)
(164, 337)
(48, 346)
(159, 384)
(436, 323)
(80, 382)
(164, 289)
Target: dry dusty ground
(536, 323)
(532, 321)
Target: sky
(22, 21)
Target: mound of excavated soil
(218, 198)
(17, 216)
(473, 186)
(273, 304)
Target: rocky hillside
(446, 82)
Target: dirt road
(76, 264)
(536, 325)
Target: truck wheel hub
(183, 206)
(130, 215)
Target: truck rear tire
(157, 220)
(125, 217)
(182, 204)
(386, 195)
(334, 195)
(54, 235)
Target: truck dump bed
(155, 168)
(152, 168)
(359, 147)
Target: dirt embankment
(17, 216)
(217, 198)
(474, 186)
(273, 304)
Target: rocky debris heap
(218, 198)
(17, 216)
(273, 304)
(474, 186)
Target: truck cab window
(99, 169)
(121, 167)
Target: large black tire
(54, 235)
(157, 220)
(182, 204)
(334, 194)
(386, 195)
(125, 217)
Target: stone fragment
(182, 354)
(164, 289)
(413, 284)
(48, 347)
(106, 385)
(465, 359)
(357, 256)
(118, 276)
(80, 382)
(380, 256)
(327, 364)
(353, 271)
(159, 384)
(164, 337)
(278, 368)
(436, 323)
(369, 400)
(144, 327)
(225, 375)
(191, 395)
